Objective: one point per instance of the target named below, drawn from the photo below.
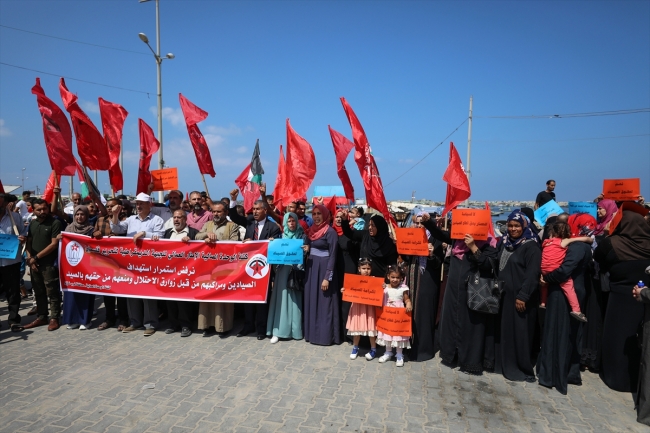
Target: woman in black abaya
(519, 264)
(376, 243)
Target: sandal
(104, 325)
(121, 328)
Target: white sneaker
(274, 339)
(400, 362)
(385, 357)
(72, 326)
(84, 327)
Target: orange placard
(412, 241)
(622, 189)
(165, 179)
(363, 290)
(395, 322)
(475, 222)
(628, 206)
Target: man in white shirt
(22, 205)
(143, 225)
(11, 224)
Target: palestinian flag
(80, 175)
(250, 179)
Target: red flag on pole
(148, 146)
(113, 117)
(249, 190)
(367, 167)
(457, 183)
(342, 148)
(278, 189)
(91, 146)
(57, 133)
(2, 188)
(48, 194)
(300, 167)
(194, 115)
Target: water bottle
(640, 285)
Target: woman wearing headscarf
(285, 307)
(78, 307)
(375, 243)
(423, 280)
(466, 336)
(321, 308)
(625, 255)
(347, 257)
(519, 263)
(606, 210)
(558, 363)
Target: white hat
(143, 197)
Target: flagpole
(469, 143)
(122, 164)
(205, 185)
(96, 181)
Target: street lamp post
(23, 178)
(156, 54)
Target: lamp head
(143, 38)
(170, 56)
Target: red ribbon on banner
(166, 269)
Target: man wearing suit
(181, 314)
(257, 228)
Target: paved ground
(90, 381)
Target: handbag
(484, 294)
(296, 279)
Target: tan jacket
(225, 232)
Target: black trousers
(10, 276)
(45, 283)
(182, 314)
(256, 315)
(122, 310)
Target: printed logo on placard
(257, 267)
(74, 252)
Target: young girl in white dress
(396, 294)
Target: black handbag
(296, 279)
(484, 294)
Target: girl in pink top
(553, 253)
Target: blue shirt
(151, 225)
(308, 220)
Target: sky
(407, 68)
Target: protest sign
(622, 189)
(286, 252)
(412, 241)
(475, 222)
(628, 206)
(363, 290)
(550, 208)
(195, 271)
(8, 246)
(395, 322)
(165, 179)
(583, 207)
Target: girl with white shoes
(396, 294)
(361, 318)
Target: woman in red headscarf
(321, 309)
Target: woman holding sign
(519, 264)
(321, 309)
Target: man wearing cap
(142, 225)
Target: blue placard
(583, 207)
(8, 246)
(285, 252)
(550, 208)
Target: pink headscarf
(318, 231)
(610, 209)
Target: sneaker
(186, 332)
(170, 331)
(371, 355)
(129, 329)
(400, 362)
(579, 316)
(72, 326)
(149, 332)
(274, 339)
(84, 327)
(355, 353)
(385, 357)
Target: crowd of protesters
(574, 296)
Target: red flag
(278, 189)
(342, 148)
(194, 115)
(90, 144)
(48, 194)
(113, 116)
(491, 226)
(249, 190)
(367, 167)
(148, 146)
(2, 188)
(300, 167)
(57, 133)
(457, 183)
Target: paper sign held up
(583, 207)
(165, 179)
(475, 222)
(285, 252)
(9, 247)
(412, 241)
(363, 290)
(622, 189)
(395, 322)
(550, 208)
